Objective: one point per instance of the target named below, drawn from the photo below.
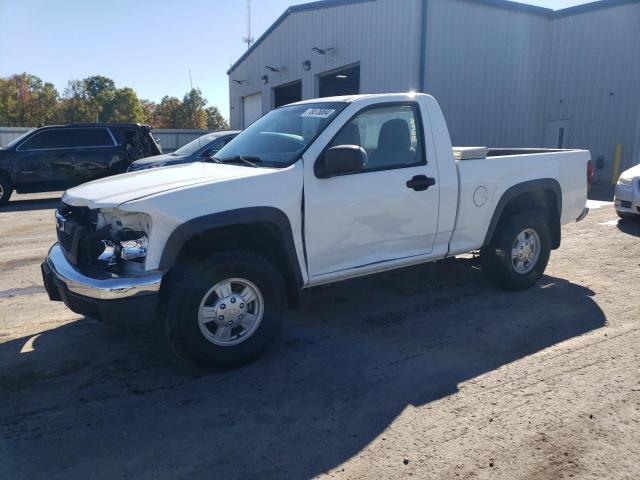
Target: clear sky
(148, 45)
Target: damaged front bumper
(122, 300)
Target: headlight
(115, 252)
(134, 249)
(624, 180)
(121, 237)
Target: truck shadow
(85, 400)
(630, 226)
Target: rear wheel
(6, 189)
(225, 311)
(519, 251)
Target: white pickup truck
(314, 192)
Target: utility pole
(190, 81)
(248, 39)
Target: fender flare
(518, 189)
(198, 225)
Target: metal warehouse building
(506, 74)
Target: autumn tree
(168, 113)
(25, 100)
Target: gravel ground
(427, 372)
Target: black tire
(627, 216)
(185, 291)
(6, 189)
(495, 259)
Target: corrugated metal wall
(382, 35)
(594, 81)
(486, 67)
(500, 74)
(172, 139)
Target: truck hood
(113, 191)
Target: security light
(306, 65)
(341, 76)
(322, 51)
(239, 82)
(271, 69)
(265, 79)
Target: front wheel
(519, 251)
(627, 216)
(225, 311)
(6, 189)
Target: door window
(68, 138)
(391, 135)
(92, 137)
(48, 139)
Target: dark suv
(58, 157)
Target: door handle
(421, 182)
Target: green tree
(100, 94)
(75, 106)
(215, 120)
(192, 113)
(125, 107)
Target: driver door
(373, 216)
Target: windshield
(15, 141)
(195, 145)
(280, 137)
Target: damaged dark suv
(58, 157)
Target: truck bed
(485, 174)
(475, 153)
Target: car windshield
(195, 145)
(15, 141)
(279, 138)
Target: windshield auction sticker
(318, 112)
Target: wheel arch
(7, 176)
(266, 230)
(544, 192)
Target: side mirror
(343, 159)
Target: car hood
(632, 172)
(164, 158)
(113, 191)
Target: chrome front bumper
(129, 302)
(106, 288)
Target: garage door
(252, 108)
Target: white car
(627, 194)
(314, 192)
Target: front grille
(625, 203)
(66, 240)
(73, 225)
